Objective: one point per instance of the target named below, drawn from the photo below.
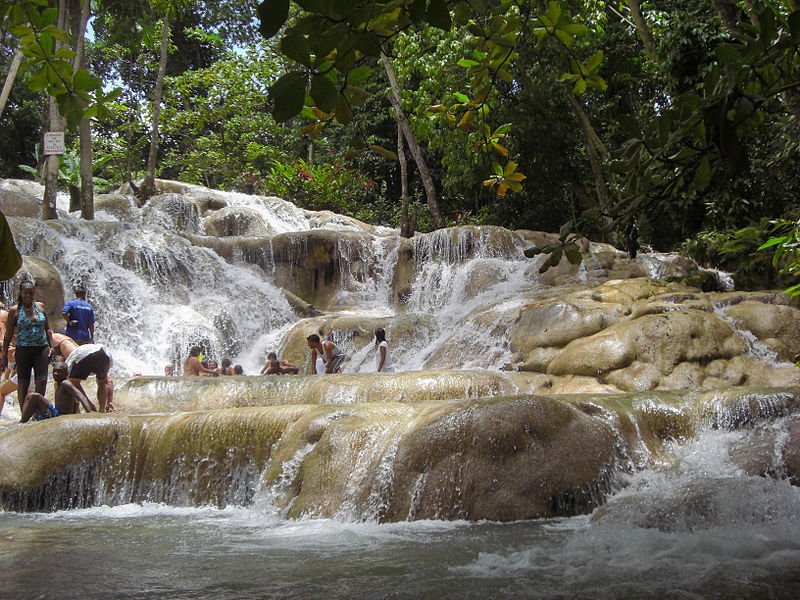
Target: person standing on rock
(79, 315)
(250, 182)
(330, 353)
(86, 360)
(383, 364)
(28, 320)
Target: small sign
(53, 142)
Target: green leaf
(288, 96)
(573, 254)
(359, 74)
(702, 176)
(630, 126)
(343, 112)
(38, 80)
(772, 242)
(273, 14)
(461, 97)
(86, 81)
(535, 251)
(295, 46)
(387, 154)
(369, 44)
(317, 6)
(594, 62)
(438, 14)
(467, 63)
(324, 92)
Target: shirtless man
(193, 366)
(331, 354)
(69, 399)
(83, 361)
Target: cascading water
(289, 489)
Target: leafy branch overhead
(79, 94)
(332, 43)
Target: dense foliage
(656, 120)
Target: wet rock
(116, 204)
(21, 198)
(639, 352)
(49, 287)
(502, 460)
(237, 221)
(776, 326)
(173, 212)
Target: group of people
(326, 357)
(30, 345)
(195, 365)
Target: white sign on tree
(53, 142)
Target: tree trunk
(80, 17)
(405, 225)
(413, 145)
(643, 30)
(10, 77)
(595, 150)
(56, 123)
(729, 13)
(149, 185)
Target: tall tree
(80, 11)
(148, 187)
(9, 82)
(56, 124)
(413, 144)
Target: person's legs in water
(105, 395)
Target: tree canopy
(651, 120)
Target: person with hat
(79, 315)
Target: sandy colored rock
(502, 460)
(775, 326)
(21, 198)
(237, 221)
(649, 348)
(49, 287)
(116, 204)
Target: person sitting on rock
(193, 366)
(68, 399)
(275, 367)
(227, 367)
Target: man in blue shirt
(79, 315)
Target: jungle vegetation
(666, 123)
